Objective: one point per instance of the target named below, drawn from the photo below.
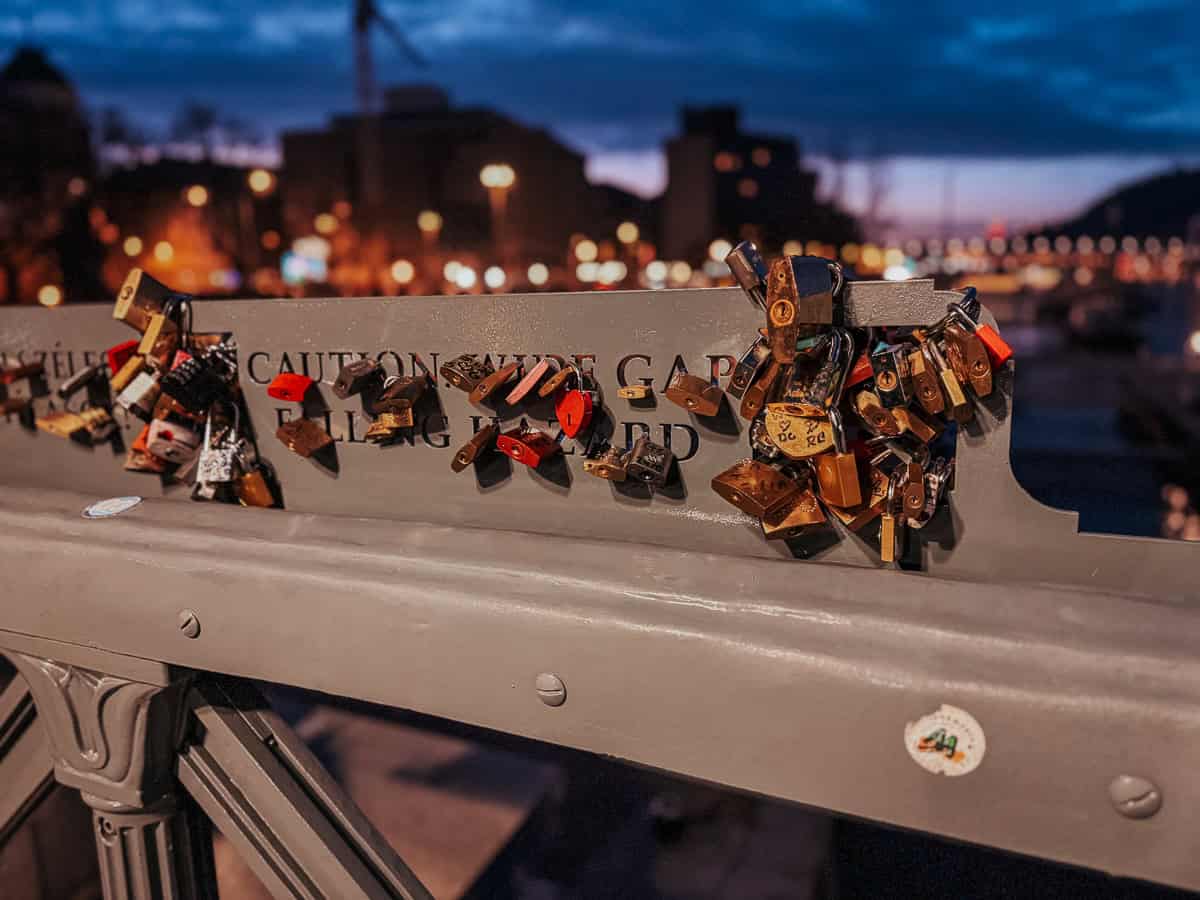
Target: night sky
(1034, 107)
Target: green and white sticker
(946, 742)
(113, 506)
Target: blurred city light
(132, 245)
(325, 223)
(49, 295)
(494, 277)
(586, 250)
(587, 272)
(342, 210)
(793, 248)
(403, 271)
(656, 270)
(1193, 342)
(612, 272)
(163, 251)
(76, 187)
(260, 180)
(312, 247)
(680, 272)
(429, 221)
(271, 240)
(450, 269)
(719, 249)
(497, 175)
(538, 274)
(627, 232)
(197, 195)
(465, 277)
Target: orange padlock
(528, 445)
(289, 386)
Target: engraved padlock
(218, 454)
(304, 437)
(574, 408)
(291, 387)
(695, 394)
(649, 463)
(795, 518)
(760, 442)
(937, 479)
(874, 487)
(608, 462)
(749, 365)
(471, 451)
(172, 441)
(756, 488)
(968, 358)
(800, 291)
(797, 435)
(388, 425)
(356, 376)
(837, 471)
(466, 371)
(817, 379)
(140, 396)
(528, 446)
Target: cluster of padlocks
(849, 422)
(182, 385)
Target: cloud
(1021, 78)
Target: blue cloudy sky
(1031, 107)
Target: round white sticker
(113, 506)
(946, 742)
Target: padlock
(893, 382)
(27, 371)
(554, 382)
(141, 461)
(879, 420)
(356, 376)
(289, 386)
(574, 408)
(536, 373)
(837, 471)
(756, 488)
(634, 392)
(875, 488)
(782, 327)
(762, 389)
(60, 423)
(817, 379)
(140, 396)
(900, 450)
(197, 382)
(760, 442)
(937, 478)
(798, 436)
(861, 370)
(160, 341)
(649, 463)
(493, 382)
(253, 489)
(792, 521)
(172, 441)
(400, 395)
(304, 437)
(466, 371)
(528, 445)
(695, 394)
(750, 271)
(218, 459)
(748, 366)
(912, 421)
(15, 406)
(968, 359)
(925, 384)
(479, 443)
(913, 491)
(120, 354)
(130, 370)
(960, 407)
(81, 379)
(891, 521)
(800, 293)
(140, 297)
(98, 424)
(998, 350)
(387, 425)
(610, 463)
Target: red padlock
(528, 445)
(289, 386)
(181, 356)
(998, 350)
(120, 354)
(573, 408)
(861, 372)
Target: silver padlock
(140, 395)
(217, 462)
(171, 441)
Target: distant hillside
(1164, 206)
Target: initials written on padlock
(797, 436)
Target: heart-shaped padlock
(573, 408)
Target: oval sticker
(113, 506)
(946, 742)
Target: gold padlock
(60, 423)
(912, 421)
(969, 359)
(762, 389)
(872, 411)
(960, 407)
(694, 394)
(252, 489)
(140, 297)
(857, 517)
(127, 373)
(925, 383)
(796, 435)
(159, 340)
(387, 424)
(794, 518)
(755, 488)
(837, 471)
(634, 392)
(611, 464)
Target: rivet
(189, 623)
(1135, 797)
(550, 689)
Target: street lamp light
(498, 178)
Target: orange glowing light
(197, 195)
(49, 295)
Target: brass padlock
(648, 462)
(253, 489)
(387, 425)
(795, 518)
(891, 522)
(160, 340)
(913, 499)
(798, 436)
(610, 463)
(893, 382)
(304, 437)
(859, 516)
(489, 384)
(747, 367)
(140, 297)
(127, 373)
(762, 389)
(925, 383)
(98, 424)
(937, 480)
(960, 407)
(469, 452)
(755, 488)
(466, 371)
(356, 376)
(555, 381)
(695, 394)
(912, 421)
(968, 359)
(60, 423)
(400, 394)
(837, 471)
(880, 420)
(634, 392)
(799, 296)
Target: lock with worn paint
(817, 379)
(649, 463)
(304, 437)
(893, 382)
(877, 418)
(797, 435)
(388, 425)
(756, 488)
(762, 389)
(795, 518)
(218, 454)
(60, 423)
(926, 388)
(609, 462)
(172, 441)
(968, 358)
(140, 397)
(528, 446)
(140, 297)
(356, 376)
(400, 395)
(124, 376)
(695, 394)
(472, 450)
(98, 424)
(466, 371)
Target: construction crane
(366, 14)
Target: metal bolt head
(189, 623)
(1135, 797)
(550, 689)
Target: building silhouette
(724, 182)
